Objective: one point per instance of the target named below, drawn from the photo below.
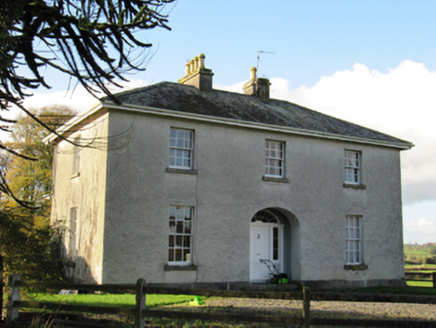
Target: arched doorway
(266, 244)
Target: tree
(31, 181)
(92, 41)
(28, 243)
(433, 249)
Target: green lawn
(115, 300)
(417, 267)
(421, 284)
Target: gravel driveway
(356, 310)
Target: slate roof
(235, 106)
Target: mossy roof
(249, 109)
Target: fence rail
(140, 312)
(421, 277)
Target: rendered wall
(227, 190)
(86, 191)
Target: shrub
(430, 260)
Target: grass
(418, 267)
(115, 300)
(421, 284)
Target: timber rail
(420, 276)
(140, 312)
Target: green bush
(430, 260)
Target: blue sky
(368, 62)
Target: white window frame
(353, 239)
(72, 241)
(353, 167)
(76, 156)
(180, 236)
(274, 158)
(181, 148)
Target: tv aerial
(258, 56)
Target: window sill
(181, 171)
(354, 186)
(75, 175)
(355, 267)
(274, 179)
(180, 268)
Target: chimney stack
(197, 75)
(258, 87)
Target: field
(420, 255)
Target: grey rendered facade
(120, 190)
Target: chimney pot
(202, 57)
(258, 87)
(253, 73)
(197, 74)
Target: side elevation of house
(182, 183)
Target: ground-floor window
(354, 239)
(72, 242)
(180, 235)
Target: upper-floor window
(180, 235)
(353, 167)
(354, 239)
(76, 156)
(274, 158)
(181, 148)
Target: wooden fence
(140, 312)
(421, 276)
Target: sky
(369, 62)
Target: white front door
(259, 249)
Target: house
(182, 183)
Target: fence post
(13, 295)
(306, 307)
(434, 279)
(140, 303)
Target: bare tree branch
(89, 40)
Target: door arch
(266, 243)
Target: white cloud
(421, 230)
(78, 99)
(237, 87)
(400, 102)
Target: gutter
(226, 121)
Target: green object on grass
(283, 281)
(197, 301)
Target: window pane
(179, 227)
(275, 243)
(186, 255)
(179, 255)
(187, 228)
